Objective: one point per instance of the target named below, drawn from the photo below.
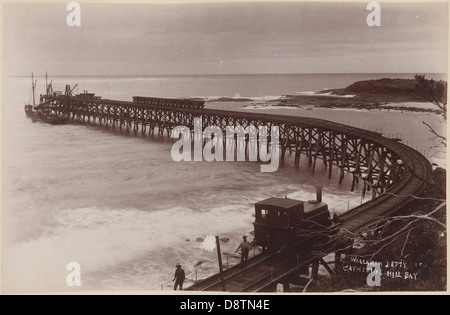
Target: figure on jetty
(245, 247)
(179, 277)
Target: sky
(224, 38)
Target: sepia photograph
(214, 147)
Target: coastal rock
(199, 263)
(391, 87)
(368, 94)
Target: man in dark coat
(179, 277)
(245, 247)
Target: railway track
(259, 271)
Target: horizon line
(217, 74)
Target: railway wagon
(282, 221)
(182, 103)
(87, 95)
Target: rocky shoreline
(382, 94)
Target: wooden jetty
(380, 164)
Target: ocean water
(119, 206)
(210, 86)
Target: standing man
(179, 277)
(245, 247)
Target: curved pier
(391, 171)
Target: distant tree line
(436, 93)
(433, 91)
